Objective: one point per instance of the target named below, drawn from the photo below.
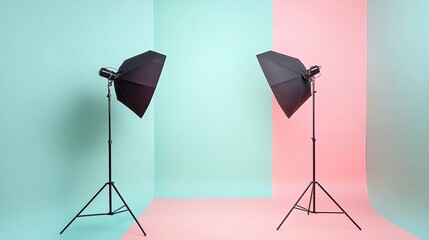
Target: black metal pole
(290, 211)
(78, 214)
(314, 144)
(128, 208)
(110, 146)
(338, 205)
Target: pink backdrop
(330, 33)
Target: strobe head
(311, 72)
(106, 73)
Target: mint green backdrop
(213, 110)
(398, 112)
(53, 122)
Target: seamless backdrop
(210, 131)
(213, 112)
(398, 112)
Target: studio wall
(331, 34)
(213, 110)
(53, 131)
(398, 112)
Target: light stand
(135, 84)
(292, 84)
(312, 203)
(110, 184)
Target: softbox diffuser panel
(291, 95)
(134, 96)
(284, 75)
(138, 77)
(143, 69)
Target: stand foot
(129, 210)
(313, 185)
(111, 185)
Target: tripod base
(312, 204)
(119, 210)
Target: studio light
(311, 72)
(292, 84)
(135, 83)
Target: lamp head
(106, 73)
(311, 72)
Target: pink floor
(255, 219)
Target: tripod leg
(284, 219)
(312, 195)
(77, 215)
(338, 205)
(129, 210)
